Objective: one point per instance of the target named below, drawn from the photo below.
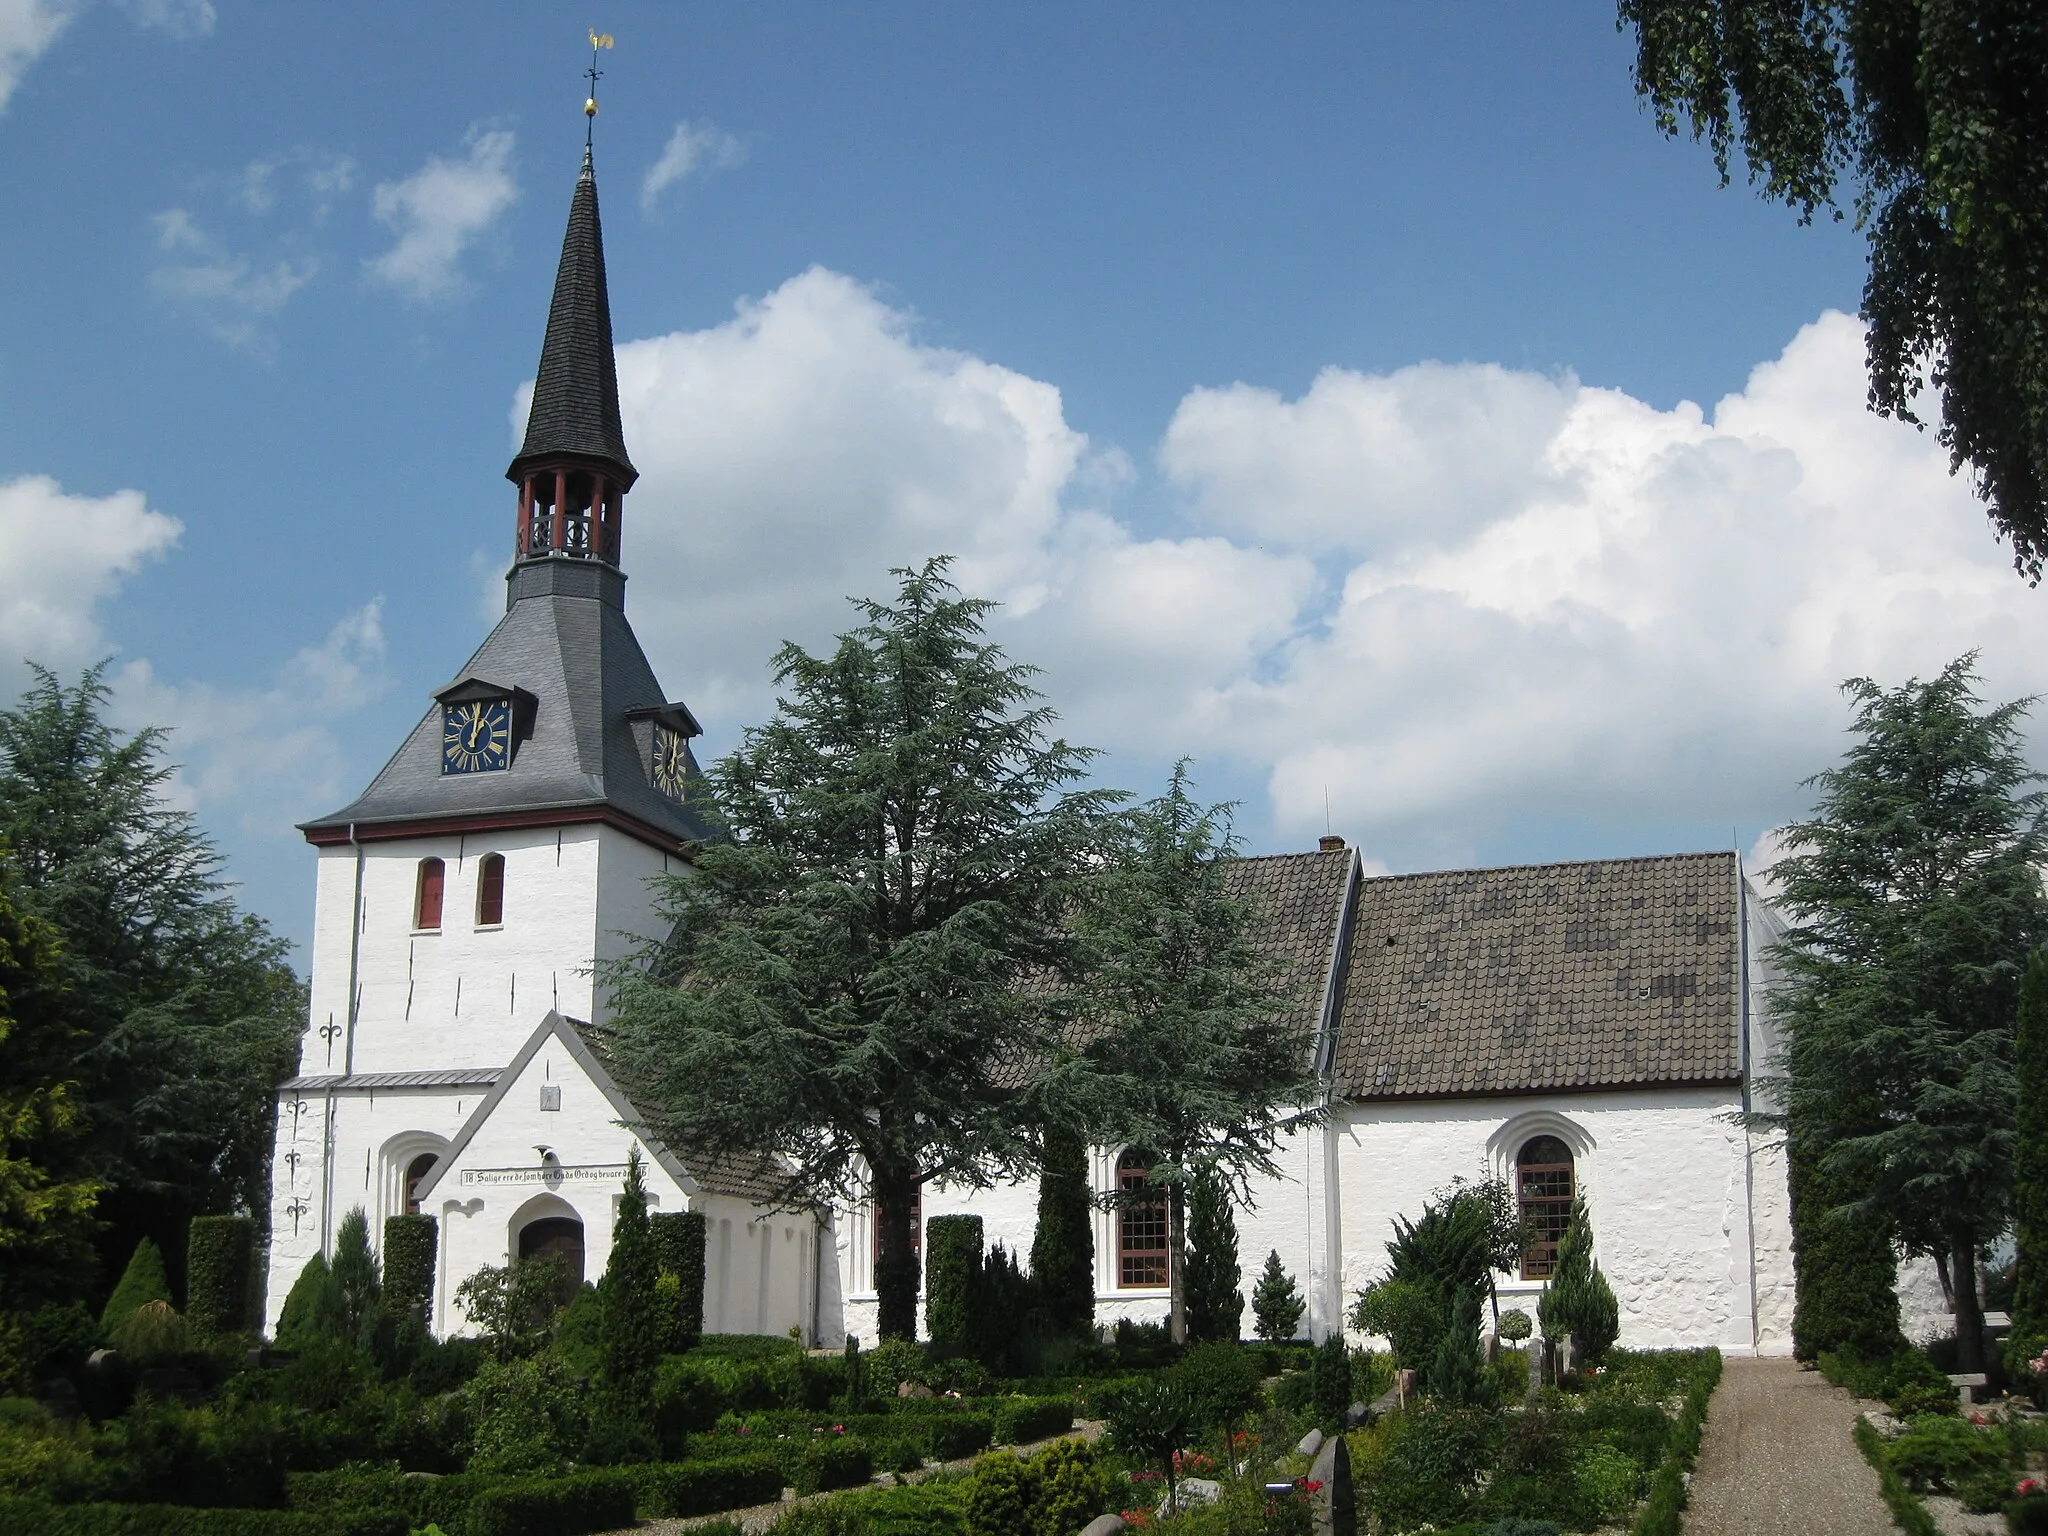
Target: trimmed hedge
(1663, 1512)
(410, 1243)
(668, 1489)
(941, 1436)
(33, 1517)
(218, 1251)
(552, 1506)
(1908, 1513)
(1021, 1420)
(679, 1249)
(840, 1462)
(952, 1248)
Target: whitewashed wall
(1667, 1177)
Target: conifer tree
(1276, 1305)
(1214, 1301)
(1916, 895)
(846, 981)
(1063, 1243)
(2030, 1167)
(141, 1283)
(1844, 1268)
(629, 1331)
(357, 1285)
(1578, 1301)
(312, 1309)
(1457, 1377)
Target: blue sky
(1314, 388)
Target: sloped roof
(576, 390)
(578, 657)
(1299, 901)
(762, 1179)
(1606, 974)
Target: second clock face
(671, 762)
(476, 737)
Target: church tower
(509, 847)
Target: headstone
(912, 1389)
(1357, 1414)
(1335, 1501)
(1404, 1387)
(1190, 1493)
(1310, 1443)
(1384, 1404)
(102, 1360)
(1491, 1344)
(1967, 1385)
(1568, 1356)
(1103, 1525)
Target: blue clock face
(476, 737)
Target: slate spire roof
(576, 392)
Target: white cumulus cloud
(66, 555)
(235, 297)
(692, 148)
(441, 210)
(27, 30)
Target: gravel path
(1777, 1460)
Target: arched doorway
(559, 1238)
(416, 1173)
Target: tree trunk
(1176, 1261)
(1969, 1308)
(895, 1260)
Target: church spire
(572, 471)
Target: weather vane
(593, 75)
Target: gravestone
(1103, 1525)
(1336, 1501)
(1310, 1443)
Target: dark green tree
(356, 1279)
(1202, 1051)
(1433, 1263)
(46, 1205)
(1276, 1305)
(184, 1010)
(1215, 1302)
(2030, 1166)
(219, 1260)
(410, 1243)
(1578, 1302)
(1457, 1376)
(1845, 1271)
(629, 1332)
(953, 1246)
(679, 1250)
(1329, 1375)
(141, 1283)
(1063, 1242)
(313, 1309)
(845, 987)
(1916, 899)
(1933, 114)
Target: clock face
(476, 737)
(671, 762)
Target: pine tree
(2030, 1167)
(1276, 1305)
(313, 1308)
(142, 1282)
(847, 978)
(1214, 1301)
(1578, 1301)
(1457, 1377)
(1063, 1243)
(629, 1330)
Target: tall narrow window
(490, 890)
(426, 907)
(916, 1227)
(1140, 1224)
(1544, 1183)
(416, 1173)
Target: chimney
(1330, 842)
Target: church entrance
(559, 1238)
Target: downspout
(1748, 1145)
(1326, 1065)
(348, 1048)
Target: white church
(1579, 1029)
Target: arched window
(416, 1173)
(916, 1228)
(426, 907)
(490, 890)
(1545, 1186)
(1140, 1224)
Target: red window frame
(490, 890)
(1141, 1225)
(1546, 1181)
(427, 893)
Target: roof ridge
(1503, 869)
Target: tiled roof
(576, 391)
(762, 1179)
(449, 1077)
(1298, 899)
(1548, 976)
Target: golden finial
(593, 74)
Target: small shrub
(1022, 1420)
(1330, 1376)
(151, 1331)
(143, 1281)
(1432, 1464)
(1073, 1487)
(679, 1250)
(553, 1506)
(891, 1363)
(1936, 1453)
(1986, 1492)
(1515, 1325)
(527, 1416)
(1608, 1480)
(838, 1462)
(1276, 1305)
(1150, 1420)
(1002, 1496)
(702, 1487)
(1223, 1383)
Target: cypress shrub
(628, 1332)
(2030, 1169)
(952, 1278)
(1844, 1271)
(1063, 1242)
(312, 1308)
(1006, 1313)
(1211, 1280)
(410, 1243)
(1330, 1379)
(354, 1269)
(1276, 1305)
(1578, 1300)
(142, 1282)
(217, 1254)
(678, 1238)
(1458, 1377)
